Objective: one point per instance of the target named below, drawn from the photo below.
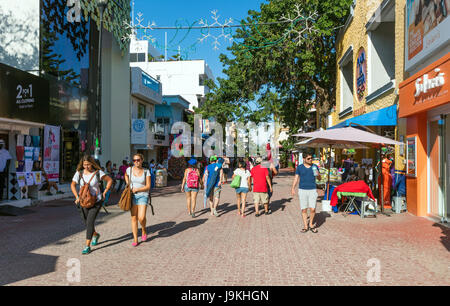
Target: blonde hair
(89, 159)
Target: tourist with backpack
(90, 197)
(139, 180)
(191, 185)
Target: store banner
(51, 152)
(426, 30)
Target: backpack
(87, 200)
(192, 179)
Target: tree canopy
(282, 60)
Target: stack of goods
(177, 165)
(27, 163)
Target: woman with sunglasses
(139, 180)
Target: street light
(101, 4)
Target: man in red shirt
(261, 179)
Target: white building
(183, 78)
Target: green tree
(277, 68)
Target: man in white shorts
(305, 177)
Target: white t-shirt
(94, 187)
(244, 174)
(4, 156)
(138, 181)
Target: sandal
(304, 230)
(313, 229)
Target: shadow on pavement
(276, 205)
(177, 228)
(445, 239)
(321, 218)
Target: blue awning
(163, 111)
(383, 117)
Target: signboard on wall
(51, 152)
(361, 74)
(139, 129)
(411, 156)
(426, 29)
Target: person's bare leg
(243, 202)
(142, 217)
(312, 213)
(238, 199)
(188, 201)
(193, 201)
(211, 204)
(305, 218)
(134, 221)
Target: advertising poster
(51, 152)
(411, 157)
(427, 25)
(139, 128)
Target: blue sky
(188, 12)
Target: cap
(213, 158)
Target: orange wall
(416, 188)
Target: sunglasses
(136, 160)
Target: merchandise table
(352, 190)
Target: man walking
(261, 186)
(213, 180)
(305, 177)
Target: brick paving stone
(225, 250)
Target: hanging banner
(51, 152)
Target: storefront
(425, 103)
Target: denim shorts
(187, 189)
(140, 199)
(242, 190)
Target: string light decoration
(298, 27)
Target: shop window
(141, 111)
(133, 57)
(381, 51)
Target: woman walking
(244, 188)
(89, 172)
(191, 184)
(140, 182)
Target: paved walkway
(37, 247)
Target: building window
(162, 125)
(347, 85)
(133, 57)
(141, 57)
(141, 111)
(381, 48)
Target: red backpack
(192, 179)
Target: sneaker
(59, 192)
(86, 250)
(95, 239)
(49, 193)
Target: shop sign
(23, 95)
(359, 111)
(424, 84)
(426, 29)
(361, 73)
(411, 156)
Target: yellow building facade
(370, 67)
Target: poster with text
(51, 152)
(426, 30)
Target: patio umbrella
(327, 143)
(352, 134)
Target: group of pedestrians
(257, 180)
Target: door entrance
(71, 154)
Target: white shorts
(308, 198)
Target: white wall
(179, 78)
(116, 114)
(19, 33)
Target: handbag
(125, 199)
(236, 183)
